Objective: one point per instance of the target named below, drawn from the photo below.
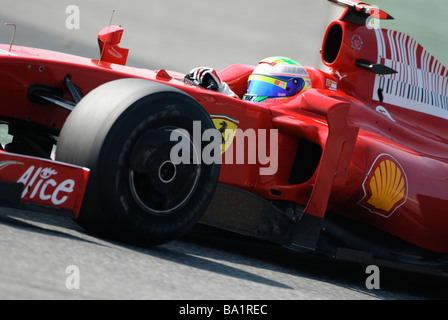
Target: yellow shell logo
(385, 188)
(227, 126)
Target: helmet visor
(274, 87)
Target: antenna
(110, 23)
(13, 34)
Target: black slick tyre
(121, 132)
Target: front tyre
(136, 193)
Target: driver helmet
(276, 78)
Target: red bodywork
(379, 137)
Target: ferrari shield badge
(227, 126)
(386, 186)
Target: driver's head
(276, 78)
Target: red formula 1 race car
(355, 166)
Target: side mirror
(108, 40)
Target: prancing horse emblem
(227, 127)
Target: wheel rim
(167, 171)
(157, 184)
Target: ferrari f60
(361, 157)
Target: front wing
(26, 180)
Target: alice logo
(385, 188)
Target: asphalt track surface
(39, 251)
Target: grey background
(177, 34)
(180, 35)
